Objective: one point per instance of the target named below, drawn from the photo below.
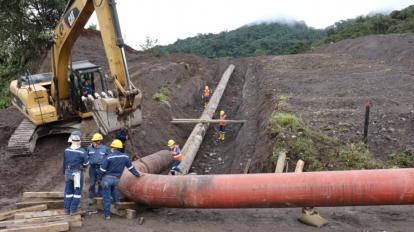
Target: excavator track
(23, 140)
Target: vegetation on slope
(251, 40)
(396, 22)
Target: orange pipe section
(333, 188)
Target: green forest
(26, 27)
(251, 40)
(395, 22)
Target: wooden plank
(47, 213)
(44, 227)
(280, 162)
(126, 205)
(43, 195)
(246, 169)
(74, 221)
(11, 213)
(181, 120)
(52, 204)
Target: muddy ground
(327, 87)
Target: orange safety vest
(206, 93)
(176, 156)
(222, 118)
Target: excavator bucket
(108, 115)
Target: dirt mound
(396, 49)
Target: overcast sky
(169, 20)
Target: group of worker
(105, 169)
(206, 99)
(106, 165)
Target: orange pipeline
(333, 188)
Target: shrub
(163, 96)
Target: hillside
(250, 40)
(399, 21)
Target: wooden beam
(52, 204)
(43, 195)
(47, 213)
(180, 120)
(126, 205)
(280, 162)
(11, 213)
(246, 168)
(74, 221)
(44, 227)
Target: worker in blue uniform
(74, 161)
(111, 171)
(96, 153)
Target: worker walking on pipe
(96, 154)
(177, 156)
(110, 172)
(206, 95)
(222, 125)
(74, 161)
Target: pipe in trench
(310, 189)
(195, 139)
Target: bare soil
(328, 88)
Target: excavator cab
(85, 78)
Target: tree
(149, 43)
(25, 31)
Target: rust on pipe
(333, 188)
(193, 142)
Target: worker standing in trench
(206, 95)
(110, 172)
(74, 161)
(222, 125)
(96, 153)
(177, 156)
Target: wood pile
(39, 211)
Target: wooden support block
(74, 221)
(246, 168)
(44, 227)
(280, 162)
(46, 213)
(11, 213)
(58, 195)
(119, 212)
(52, 204)
(131, 213)
(99, 203)
(126, 205)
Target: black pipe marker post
(366, 124)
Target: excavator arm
(110, 112)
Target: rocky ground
(327, 87)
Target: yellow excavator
(56, 102)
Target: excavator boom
(110, 111)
